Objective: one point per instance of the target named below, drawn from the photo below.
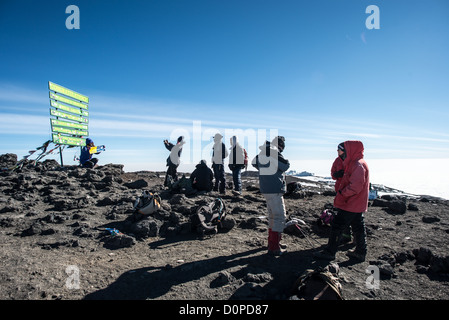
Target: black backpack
(208, 218)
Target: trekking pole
(307, 238)
(296, 222)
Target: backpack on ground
(147, 203)
(293, 187)
(326, 217)
(208, 218)
(319, 284)
(183, 185)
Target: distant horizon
(317, 73)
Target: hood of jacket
(354, 151)
(201, 164)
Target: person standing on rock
(272, 166)
(337, 172)
(174, 159)
(236, 163)
(86, 158)
(352, 202)
(219, 153)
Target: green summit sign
(69, 117)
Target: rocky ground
(55, 245)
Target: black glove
(339, 173)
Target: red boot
(274, 246)
(270, 239)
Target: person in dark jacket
(352, 202)
(86, 158)
(236, 163)
(337, 172)
(173, 159)
(272, 166)
(202, 177)
(219, 153)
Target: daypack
(183, 185)
(208, 218)
(318, 284)
(326, 217)
(372, 195)
(147, 203)
(293, 187)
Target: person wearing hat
(337, 172)
(173, 160)
(352, 202)
(219, 153)
(272, 166)
(86, 158)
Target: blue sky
(310, 70)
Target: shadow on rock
(261, 276)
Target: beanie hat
(341, 147)
(89, 141)
(279, 142)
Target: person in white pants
(272, 166)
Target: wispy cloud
(121, 116)
(13, 93)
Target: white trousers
(276, 211)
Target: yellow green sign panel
(71, 141)
(67, 92)
(61, 106)
(70, 118)
(60, 98)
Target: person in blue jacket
(86, 158)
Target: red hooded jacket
(353, 190)
(337, 166)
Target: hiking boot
(276, 253)
(344, 239)
(356, 255)
(274, 243)
(324, 255)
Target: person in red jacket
(351, 201)
(337, 172)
